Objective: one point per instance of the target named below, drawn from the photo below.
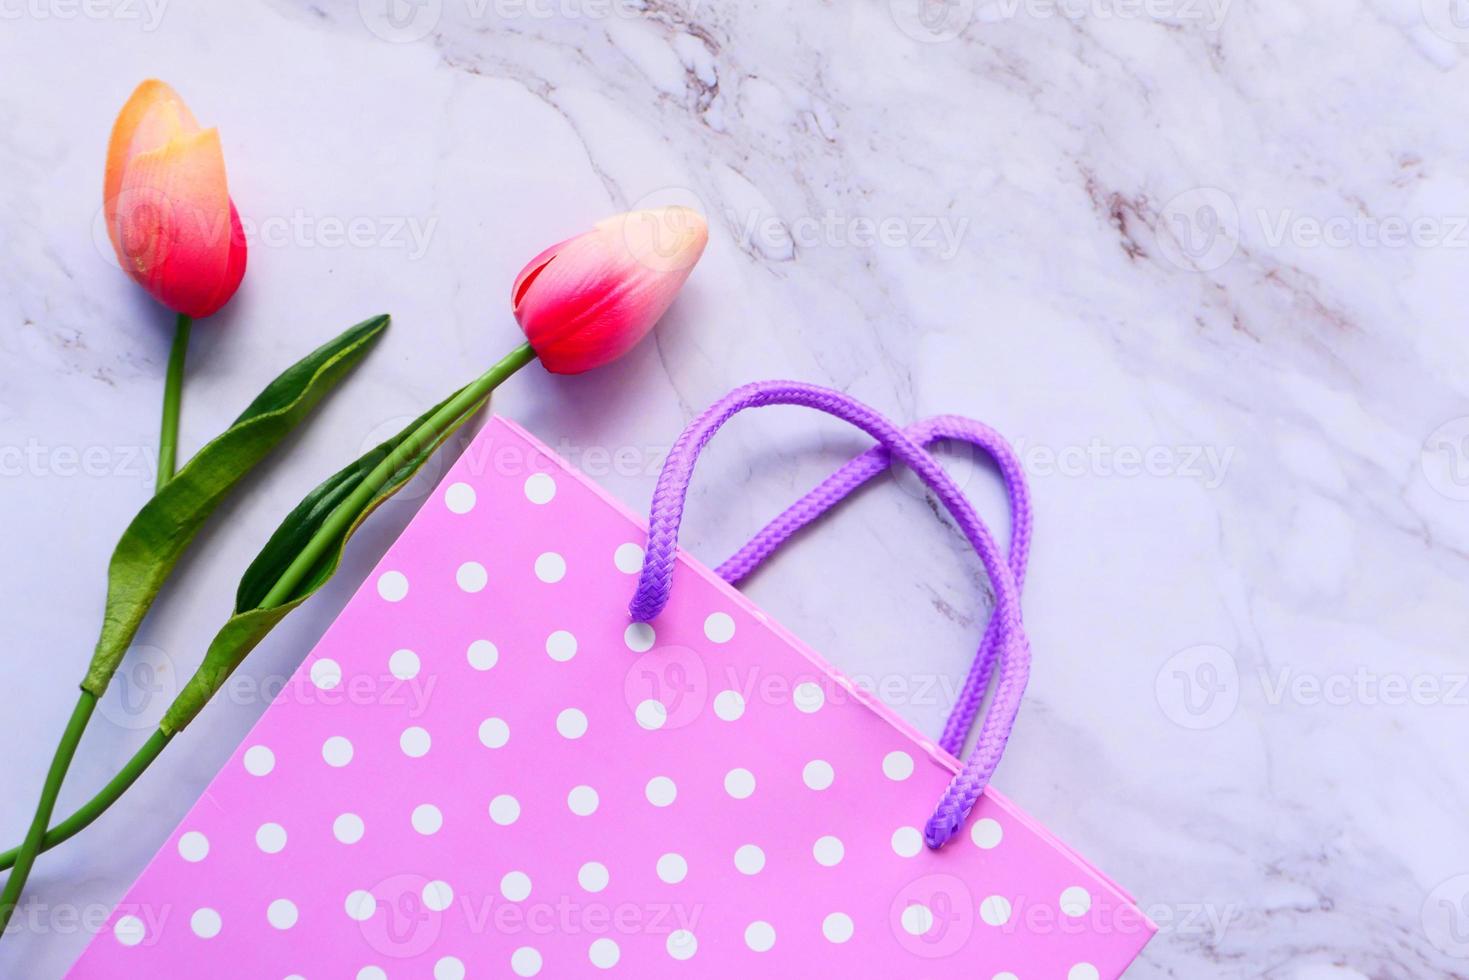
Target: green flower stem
(10, 897)
(326, 537)
(347, 511)
(95, 807)
(173, 387)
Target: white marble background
(1204, 261)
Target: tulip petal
(153, 116)
(176, 225)
(595, 296)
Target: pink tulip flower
(590, 299)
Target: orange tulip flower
(167, 204)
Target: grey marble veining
(1204, 261)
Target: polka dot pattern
(533, 744)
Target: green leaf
(158, 535)
(251, 623)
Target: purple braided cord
(656, 577)
(858, 471)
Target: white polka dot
(193, 847)
(604, 953)
(494, 733)
(749, 859)
(651, 714)
(760, 936)
(483, 655)
(809, 697)
(540, 488)
(719, 627)
(459, 498)
(437, 896)
(404, 665)
(259, 760)
(661, 791)
(897, 766)
(739, 783)
(1083, 971)
(348, 828)
(337, 751)
(361, 905)
(515, 886)
(1076, 902)
(682, 944)
(472, 576)
(271, 838)
(995, 910)
(550, 568)
(326, 673)
(282, 913)
(917, 919)
(427, 819)
(414, 742)
(987, 833)
(449, 968)
(561, 646)
(818, 774)
(1007, 975)
(205, 923)
(628, 558)
(672, 868)
(392, 586)
(582, 800)
(593, 876)
(572, 723)
(129, 930)
(371, 973)
(526, 961)
(729, 705)
(639, 637)
(907, 842)
(828, 851)
(504, 810)
(837, 927)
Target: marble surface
(1203, 261)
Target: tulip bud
(169, 214)
(590, 299)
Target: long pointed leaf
(250, 624)
(158, 535)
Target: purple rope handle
(853, 474)
(1013, 656)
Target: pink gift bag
(488, 768)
